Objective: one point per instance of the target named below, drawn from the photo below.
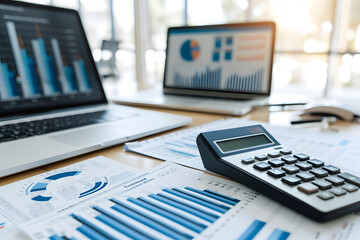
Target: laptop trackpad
(91, 136)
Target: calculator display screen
(235, 144)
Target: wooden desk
(143, 162)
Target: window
(346, 63)
(317, 41)
(162, 15)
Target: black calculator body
(252, 156)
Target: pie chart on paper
(190, 50)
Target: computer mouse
(335, 108)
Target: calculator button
(274, 154)
(325, 195)
(290, 169)
(276, 163)
(303, 166)
(302, 157)
(305, 176)
(291, 180)
(319, 173)
(316, 163)
(261, 157)
(338, 191)
(350, 188)
(331, 169)
(289, 159)
(248, 160)
(276, 173)
(350, 178)
(335, 180)
(285, 151)
(262, 166)
(322, 184)
(308, 188)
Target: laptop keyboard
(12, 132)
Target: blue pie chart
(190, 50)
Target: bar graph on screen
(36, 66)
(8, 85)
(251, 83)
(210, 79)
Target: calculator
(252, 156)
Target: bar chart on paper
(170, 214)
(170, 202)
(174, 202)
(38, 62)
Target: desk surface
(141, 162)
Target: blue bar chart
(256, 226)
(167, 202)
(8, 86)
(37, 67)
(252, 230)
(210, 79)
(80, 72)
(173, 213)
(252, 82)
(279, 234)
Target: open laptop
(52, 104)
(223, 69)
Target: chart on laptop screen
(36, 65)
(233, 58)
(43, 57)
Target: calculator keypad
(319, 173)
(316, 163)
(322, 184)
(276, 173)
(350, 188)
(326, 195)
(289, 159)
(350, 178)
(276, 163)
(261, 157)
(331, 169)
(335, 180)
(291, 180)
(308, 188)
(302, 157)
(262, 166)
(291, 169)
(308, 175)
(305, 176)
(285, 151)
(338, 191)
(303, 166)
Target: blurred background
(317, 50)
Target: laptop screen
(45, 60)
(231, 58)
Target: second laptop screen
(235, 59)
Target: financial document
(51, 191)
(174, 202)
(342, 150)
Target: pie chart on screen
(190, 50)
